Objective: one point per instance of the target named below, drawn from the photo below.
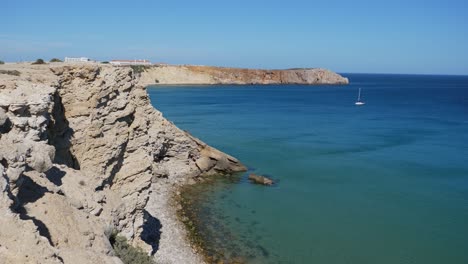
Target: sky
(359, 36)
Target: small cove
(382, 183)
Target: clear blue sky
(397, 36)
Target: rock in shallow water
(259, 179)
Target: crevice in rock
(60, 134)
(30, 191)
(41, 227)
(55, 175)
(198, 167)
(6, 126)
(103, 101)
(4, 163)
(127, 119)
(118, 162)
(10, 195)
(59, 258)
(162, 151)
(232, 161)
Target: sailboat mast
(359, 102)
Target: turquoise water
(383, 183)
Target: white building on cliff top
(130, 62)
(80, 59)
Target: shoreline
(194, 239)
(189, 216)
(175, 241)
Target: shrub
(128, 253)
(39, 61)
(55, 60)
(2, 62)
(13, 72)
(105, 62)
(139, 68)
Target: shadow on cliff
(55, 175)
(30, 192)
(60, 134)
(151, 231)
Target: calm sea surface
(383, 183)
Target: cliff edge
(191, 74)
(82, 151)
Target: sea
(386, 182)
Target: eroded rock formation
(81, 149)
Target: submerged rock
(259, 179)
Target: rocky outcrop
(189, 74)
(82, 151)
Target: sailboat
(359, 102)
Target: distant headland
(197, 74)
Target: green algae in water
(209, 227)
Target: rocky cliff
(82, 151)
(188, 74)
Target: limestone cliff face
(189, 74)
(81, 149)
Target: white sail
(359, 102)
